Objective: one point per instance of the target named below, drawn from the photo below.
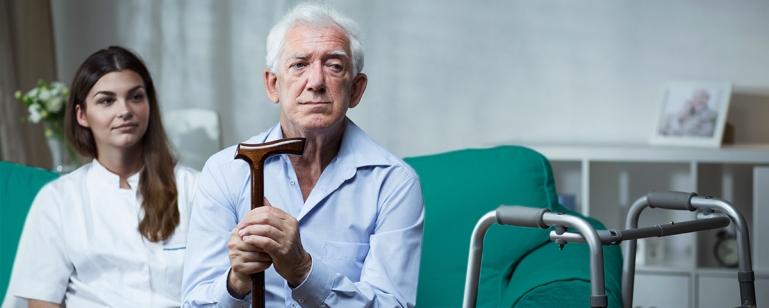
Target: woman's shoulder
(186, 179)
(66, 187)
(69, 180)
(185, 173)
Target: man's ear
(358, 87)
(271, 85)
(80, 116)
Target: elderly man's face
(314, 84)
(700, 100)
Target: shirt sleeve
(391, 268)
(42, 268)
(204, 283)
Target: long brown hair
(157, 183)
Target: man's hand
(276, 233)
(245, 260)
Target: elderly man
(343, 222)
(698, 119)
(695, 118)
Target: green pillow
(19, 185)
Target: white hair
(314, 14)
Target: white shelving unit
(675, 271)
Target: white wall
(453, 74)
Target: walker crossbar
(674, 200)
(615, 237)
(541, 218)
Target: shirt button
(301, 300)
(292, 182)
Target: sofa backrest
(19, 185)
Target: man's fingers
(264, 216)
(250, 268)
(246, 259)
(237, 243)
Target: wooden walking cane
(255, 155)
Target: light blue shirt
(362, 225)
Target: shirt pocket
(345, 258)
(173, 254)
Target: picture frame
(692, 113)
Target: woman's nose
(124, 109)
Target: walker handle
(521, 216)
(672, 200)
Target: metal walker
(713, 213)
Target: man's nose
(316, 80)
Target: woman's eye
(105, 100)
(138, 97)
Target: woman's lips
(126, 126)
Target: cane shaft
(257, 200)
(255, 155)
(257, 290)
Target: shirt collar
(112, 179)
(356, 148)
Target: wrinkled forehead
(312, 38)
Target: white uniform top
(81, 244)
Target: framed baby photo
(692, 114)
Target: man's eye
(337, 67)
(297, 65)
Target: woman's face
(117, 112)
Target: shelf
(728, 272)
(666, 270)
(638, 152)
(703, 271)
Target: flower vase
(62, 156)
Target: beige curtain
(26, 55)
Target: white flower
(34, 113)
(45, 95)
(33, 93)
(54, 104)
(58, 85)
(57, 88)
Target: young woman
(113, 232)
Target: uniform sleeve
(187, 184)
(391, 268)
(213, 217)
(42, 268)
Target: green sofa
(520, 267)
(19, 185)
